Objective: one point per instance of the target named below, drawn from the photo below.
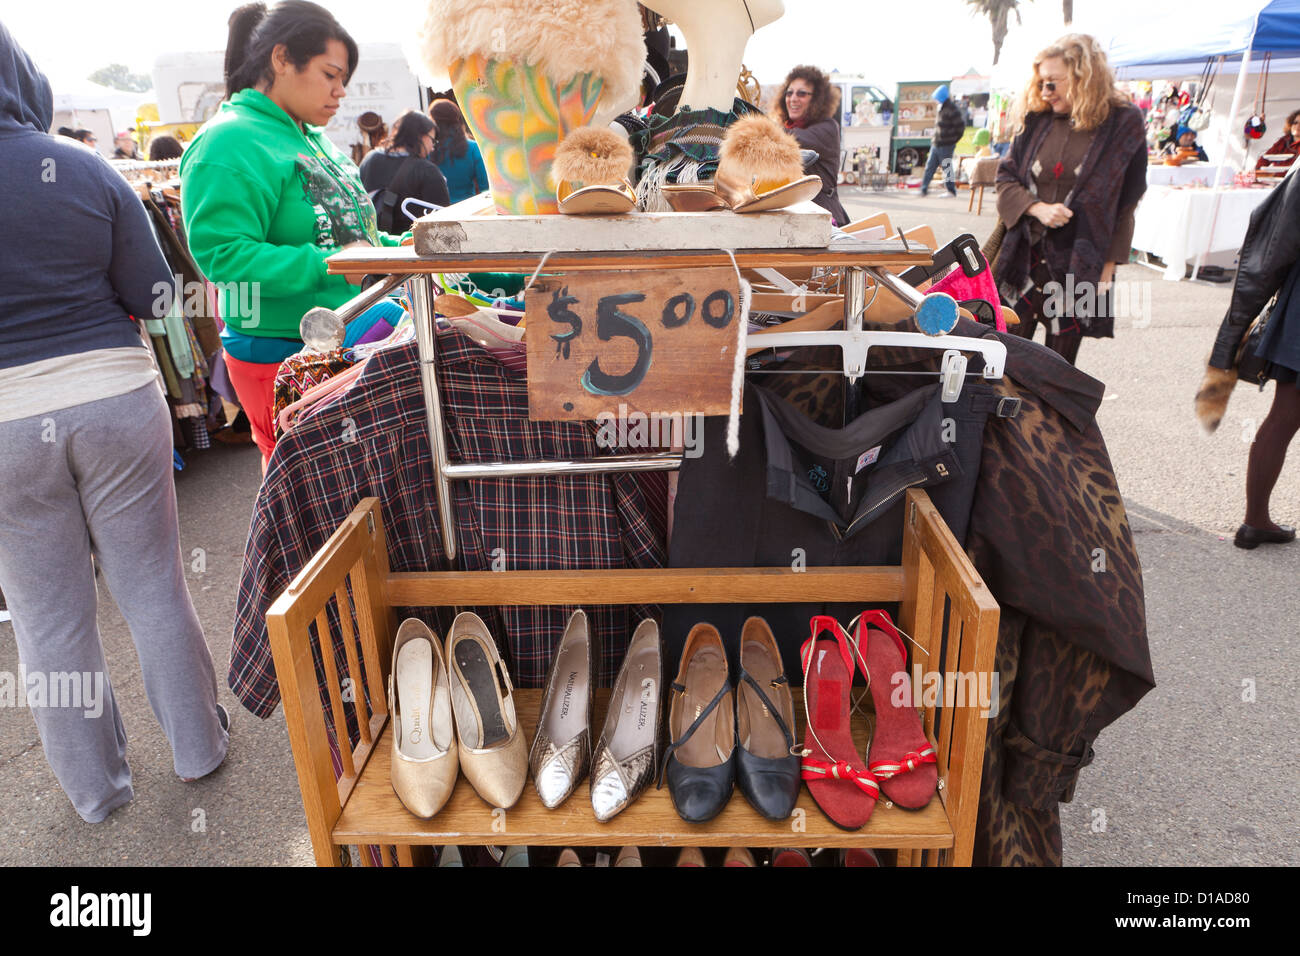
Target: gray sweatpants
(97, 478)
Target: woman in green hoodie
(267, 198)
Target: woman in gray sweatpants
(86, 457)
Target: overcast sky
(885, 41)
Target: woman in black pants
(1269, 265)
(1067, 191)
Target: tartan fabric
(372, 441)
(695, 135)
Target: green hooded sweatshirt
(265, 202)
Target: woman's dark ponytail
(242, 23)
(302, 27)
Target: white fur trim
(738, 372)
(564, 38)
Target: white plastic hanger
(855, 343)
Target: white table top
(1174, 223)
(1188, 174)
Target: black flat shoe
(700, 762)
(766, 772)
(1251, 538)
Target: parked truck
(190, 87)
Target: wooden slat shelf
(633, 586)
(890, 253)
(374, 815)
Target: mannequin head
(698, 19)
(716, 32)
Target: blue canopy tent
(1199, 29)
(1168, 44)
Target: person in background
(86, 458)
(1287, 145)
(808, 108)
(1269, 268)
(1068, 208)
(124, 145)
(455, 154)
(165, 147)
(1185, 139)
(398, 172)
(85, 136)
(982, 139)
(266, 197)
(948, 130)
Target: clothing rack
(139, 171)
(857, 259)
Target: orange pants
(255, 387)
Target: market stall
(1259, 38)
(504, 454)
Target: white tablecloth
(1174, 224)
(1187, 174)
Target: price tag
(617, 342)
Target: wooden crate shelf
(944, 606)
(374, 815)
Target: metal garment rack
(858, 259)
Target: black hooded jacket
(1270, 249)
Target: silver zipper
(884, 500)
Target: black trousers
(736, 513)
(1063, 334)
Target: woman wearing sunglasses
(1066, 193)
(808, 107)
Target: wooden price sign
(650, 341)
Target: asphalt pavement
(1201, 772)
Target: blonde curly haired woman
(1067, 190)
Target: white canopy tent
(100, 109)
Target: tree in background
(998, 13)
(117, 76)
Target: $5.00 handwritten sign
(651, 341)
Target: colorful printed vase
(518, 116)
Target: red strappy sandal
(844, 789)
(899, 756)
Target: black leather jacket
(1270, 249)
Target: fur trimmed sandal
(590, 173)
(760, 168)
